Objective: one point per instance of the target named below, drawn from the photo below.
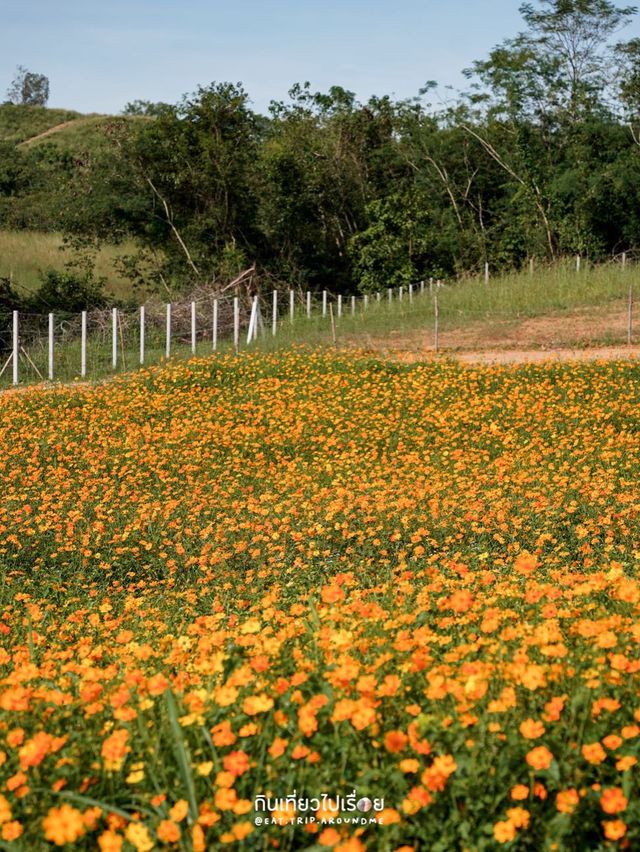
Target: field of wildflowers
(313, 575)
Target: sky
(100, 55)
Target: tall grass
(25, 255)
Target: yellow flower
(139, 837)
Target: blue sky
(99, 55)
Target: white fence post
(274, 317)
(142, 330)
(83, 344)
(436, 342)
(167, 350)
(422, 286)
(411, 292)
(292, 304)
(578, 261)
(339, 304)
(378, 296)
(252, 331)
(236, 323)
(308, 303)
(400, 292)
(16, 347)
(214, 334)
(390, 294)
(193, 328)
(366, 301)
(324, 303)
(50, 347)
(353, 305)
(624, 259)
(486, 272)
(114, 338)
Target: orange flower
(539, 758)
(531, 730)
(594, 753)
(11, 831)
(504, 832)
(5, 810)
(236, 762)
(519, 817)
(255, 704)
(567, 801)
(63, 825)
(109, 841)
(614, 829)
(328, 837)
(435, 777)
(168, 831)
(179, 811)
(278, 747)
(613, 801)
(525, 563)
(519, 792)
(395, 741)
(114, 749)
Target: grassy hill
(41, 145)
(20, 123)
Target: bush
(66, 291)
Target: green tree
(28, 88)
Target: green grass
(494, 308)
(18, 123)
(503, 302)
(85, 133)
(25, 255)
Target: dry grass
(25, 255)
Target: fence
(435, 315)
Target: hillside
(21, 123)
(28, 127)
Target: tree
(560, 67)
(28, 88)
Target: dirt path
(528, 356)
(55, 129)
(585, 334)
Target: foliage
(539, 158)
(69, 292)
(28, 88)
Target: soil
(586, 334)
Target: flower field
(313, 575)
